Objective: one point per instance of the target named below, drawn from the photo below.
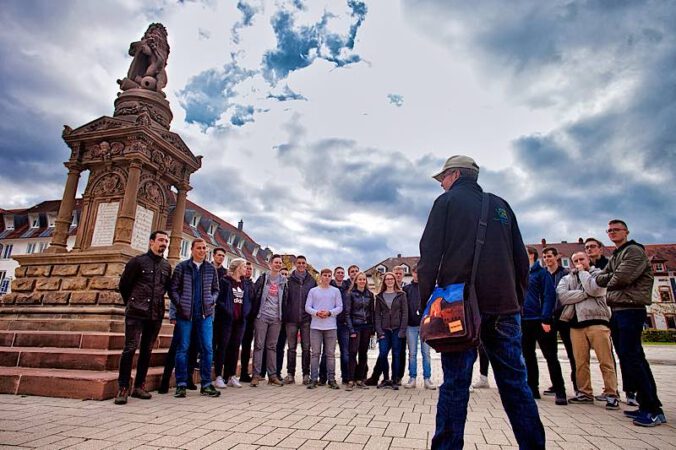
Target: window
(43, 246)
(7, 251)
(381, 269)
(649, 321)
(51, 220)
(671, 321)
(73, 220)
(665, 294)
(35, 221)
(659, 267)
(195, 221)
(9, 222)
(405, 267)
(185, 245)
(30, 249)
(212, 229)
(210, 256)
(565, 262)
(4, 282)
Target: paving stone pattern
(294, 417)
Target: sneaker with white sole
(234, 382)
(482, 383)
(411, 384)
(429, 385)
(471, 389)
(219, 383)
(631, 399)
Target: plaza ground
(294, 417)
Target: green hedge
(653, 335)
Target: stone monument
(139, 171)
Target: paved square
(294, 417)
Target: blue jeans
(626, 327)
(391, 340)
(205, 332)
(344, 346)
(501, 338)
(412, 338)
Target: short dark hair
(468, 173)
(618, 221)
(301, 257)
(591, 239)
(219, 249)
(275, 256)
(192, 245)
(550, 249)
(339, 267)
(353, 266)
(325, 270)
(154, 234)
(532, 251)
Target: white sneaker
(471, 389)
(429, 385)
(234, 382)
(482, 383)
(219, 383)
(410, 384)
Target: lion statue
(147, 69)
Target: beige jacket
(582, 297)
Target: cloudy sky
(321, 122)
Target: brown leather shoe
(140, 392)
(255, 380)
(275, 381)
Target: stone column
(127, 214)
(177, 225)
(62, 222)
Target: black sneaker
(180, 392)
(333, 385)
(385, 384)
(549, 391)
(612, 403)
(371, 382)
(631, 399)
(121, 397)
(561, 399)
(246, 378)
(312, 385)
(580, 399)
(192, 386)
(210, 391)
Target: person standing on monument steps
(446, 257)
(143, 284)
(194, 290)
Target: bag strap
(480, 236)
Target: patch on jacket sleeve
(501, 216)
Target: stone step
(71, 339)
(68, 324)
(82, 384)
(70, 358)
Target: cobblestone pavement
(294, 417)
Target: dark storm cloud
(618, 159)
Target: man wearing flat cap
(446, 256)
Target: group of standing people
(219, 312)
(600, 303)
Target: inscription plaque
(143, 226)
(104, 227)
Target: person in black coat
(391, 320)
(359, 308)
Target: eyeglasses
(615, 230)
(591, 246)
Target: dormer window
(35, 221)
(73, 219)
(231, 239)
(195, 221)
(51, 220)
(659, 267)
(381, 269)
(405, 267)
(240, 244)
(212, 229)
(9, 222)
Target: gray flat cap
(456, 162)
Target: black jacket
(341, 320)
(225, 303)
(143, 283)
(395, 318)
(601, 263)
(295, 302)
(359, 308)
(447, 249)
(414, 304)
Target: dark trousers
(402, 357)
(484, 362)
(247, 341)
(169, 364)
(532, 334)
(344, 346)
(390, 340)
(358, 347)
(564, 331)
(143, 332)
(227, 339)
(626, 327)
(501, 339)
